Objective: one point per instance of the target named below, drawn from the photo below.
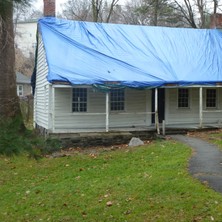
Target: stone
(136, 142)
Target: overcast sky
(39, 3)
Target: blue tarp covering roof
(134, 56)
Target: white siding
(94, 118)
(214, 116)
(135, 108)
(41, 98)
(175, 115)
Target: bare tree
(23, 64)
(151, 12)
(215, 6)
(96, 9)
(187, 12)
(77, 10)
(196, 13)
(90, 10)
(110, 9)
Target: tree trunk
(9, 102)
(96, 10)
(155, 16)
(201, 5)
(113, 3)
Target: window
(211, 98)
(79, 100)
(183, 98)
(117, 98)
(20, 90)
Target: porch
(169, 129)
(116, 136)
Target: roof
(20, 78)
(129, 55)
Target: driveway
(206, 162)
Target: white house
(25, 38)
(93, 77)
(23, 85)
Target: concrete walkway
(206, 162)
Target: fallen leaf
(127, 212)
(84, 214)
(109, 204)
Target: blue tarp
(133, 56)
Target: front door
(161, 105)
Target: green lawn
(148, 183)
(215, 137)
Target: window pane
(117, 99)
(79, 100)
(20, 90)
(211, 98)
(183, 98)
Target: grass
(16, 139)
(214, 136)
(148, 183)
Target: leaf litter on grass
(148, 183)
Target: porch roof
(87, 53)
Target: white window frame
(216, 99)
(117, 104)
(188, 98)
(80, 100)
(20, 91)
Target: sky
(39, 4)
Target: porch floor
(171, 128)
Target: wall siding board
(65, 119)
(175, 115)
(41, 104)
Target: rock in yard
(136, 142)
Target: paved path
(206, 162)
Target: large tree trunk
(9, 103)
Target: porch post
(53, 108)
(156, 111)
(201, 107)
(107, 111)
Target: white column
(201, 107)
(107, 112)
(53, 109)
(156, 111)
